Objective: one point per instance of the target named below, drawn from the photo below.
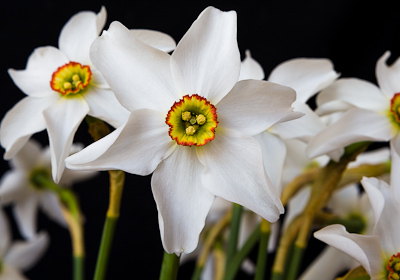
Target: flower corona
(71, 78)
(192, 121)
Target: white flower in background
(378, 253)
(20, 255)
(373, 114)
(17, 188)
(306, 76)
(191, 123)
(62, 87)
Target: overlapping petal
(207, 60)
(5, 234)
(156, 39)
(24, 119)
(10, 272)
(51, 206)
(253, 106)
(250, 69)
(387, 76)
(306, 76)
(27, 157)
(25, 212)
(183, 203)
(138, 74)
(354, 126)
(78, 34)
(365, 249)
(142, 150)
(234, 170)
(35, 79)
(104, 105)
(69, 112)
(13, 186)
(23, 255)
(395, 157)
(359, 93)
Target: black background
(353, 34)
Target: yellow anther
(77, 83)
(395, 276)
(186, 116)
(190, 130)
(67, 85)
(397, 267)
(201, 119)
(76, 78)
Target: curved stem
(72, 214)
(170, 267)
(263, 250)
(117, 178)
(234, 233)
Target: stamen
(201, 119)
(190, 130)
(192, 121)
(186, 116)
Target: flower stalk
(170, 267)
(265, 231)
(234, 233)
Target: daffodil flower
(371, 112)
(62, 87)
(20, 255)
(191, 123)
(18, 188)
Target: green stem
(117, 178)
(296, 259)
(72, 215)
(234, 233)
(105, 247)
(262, 250)
(277, 276)
(239, 257)
(79, 268)
(170, 267)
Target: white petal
(371, 157)
(387, 76)
(104, 105)
(5, 233)
(62, 120)
(395, 174)
(14, 186)
(306, 76)
(24, 119)
(274, 153)
(354, 126)
(365, 249)
(26, 158)
(207, 59)
(138, 74)
(79, 33)
(11, 273)
(137, 147)
(156, 39)
(356, 92)
(51, 206)
(35, 79)
(302, 128)
(234, 171)
(97, 79)
(328, 265)
(182, 201)
(25, 212)
(345, 201)
(385, 208)
(253, 106)
(23, 255)
(250, 69)
(296, 205)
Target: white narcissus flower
(378, 253)
(372, 112)
(191, 123)
(18, 256)
(17, 188)
(62, 87)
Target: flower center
(393, 267)
(395, 108)
(192, 121)
(71, 78)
